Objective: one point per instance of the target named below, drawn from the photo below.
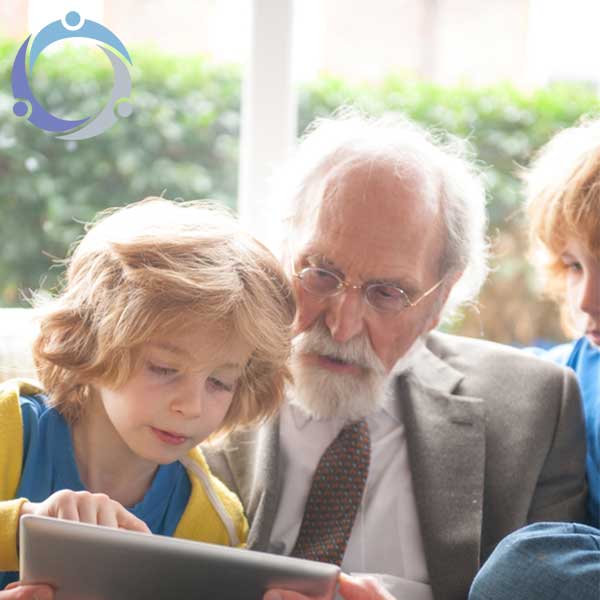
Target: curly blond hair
(563, 201)
(158, 267)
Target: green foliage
(182, 139)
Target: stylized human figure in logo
(26, 104)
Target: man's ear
(444, 292)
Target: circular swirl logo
(27, 106)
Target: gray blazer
(495, 440)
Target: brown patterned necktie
(335, 495)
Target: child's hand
(19, 591)
(85, 507)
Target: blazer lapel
(254, 465)
(446, 447)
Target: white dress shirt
(386, 538)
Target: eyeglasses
(384, 297)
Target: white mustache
(358, 350)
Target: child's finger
(87, 509)
(18, 591)
(128, 521)
(107, 514)
(66, 508)
(12, 585)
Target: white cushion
(17, 332)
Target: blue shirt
(584, 358)
(49, 466)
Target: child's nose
(190, 401)
(589, 301)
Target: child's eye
(575, 267)
(218, 385)
(161, 371)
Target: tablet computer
(91, 562)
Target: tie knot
(358, 430)
(353, 435)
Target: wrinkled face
(178, 395)
(371, 228)
(583, 289)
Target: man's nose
(345, 315)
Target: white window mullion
(269, 114)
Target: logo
(26, 104)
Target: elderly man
(401, 452)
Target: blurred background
(221, 88)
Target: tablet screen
(90, 562)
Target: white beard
(323, 394)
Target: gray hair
(332, 147)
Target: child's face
(178, 395)
(583, 289)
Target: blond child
(562, 560)
(173, 326)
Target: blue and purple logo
(26, 104)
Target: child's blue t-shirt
(584, 358)
(49, 466)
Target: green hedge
(183, 139)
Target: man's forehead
(376, 223)
(378, 215)
(389, 189)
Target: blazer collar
(445, 434)
(432, 370)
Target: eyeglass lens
(379, 295)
